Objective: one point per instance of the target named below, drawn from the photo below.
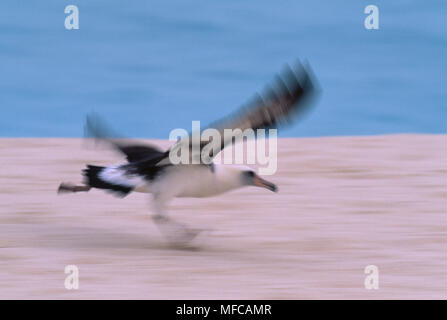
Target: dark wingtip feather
(95, 127)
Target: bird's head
(250, 178)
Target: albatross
(150, 170)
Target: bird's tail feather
(92, 178)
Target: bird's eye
(250, 173)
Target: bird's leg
(175, 232)
(68, 187)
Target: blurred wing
(292, 93)
(97, 129)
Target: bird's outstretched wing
(292, 93)
(96, 128)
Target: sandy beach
(344, 203)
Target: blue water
(152, 66)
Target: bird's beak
(259, 182)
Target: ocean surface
(151, 66)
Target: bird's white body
(195, 181)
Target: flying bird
(150, 170)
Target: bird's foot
(65, 188)
(175, 232)
(68, 187)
